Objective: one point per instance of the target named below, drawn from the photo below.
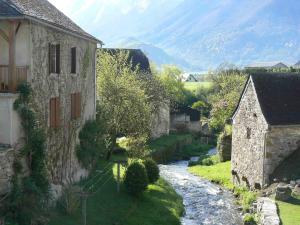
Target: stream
(205, 202)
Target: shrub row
(139, 174)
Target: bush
(152, 170)
(92, 146)
(249, 219)
(212, 160)
(136, 180)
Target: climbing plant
(30, 191)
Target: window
(248, 133)
(73, 60)
(54, 112)
(54, 58)
(75, 105)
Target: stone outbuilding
(266, 127)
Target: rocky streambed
(205, 202)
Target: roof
(297, 64)
(278, 96)
(43, 11)
(266, 65)
(7, 11)
(136, 57)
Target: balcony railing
(8, 85)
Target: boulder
(296, 190)
(283, 192)
(293, 183)
(298, 181)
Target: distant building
(297, 65)
(266, 65)
(186, 119)
(190, 77)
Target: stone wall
(249, 128)
(281, 142)
(161, 121)
(182, 122)
(6, 170)
(62, 164)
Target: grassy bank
(193, 86)
(289, 211)
(176, 147)
(160, 204)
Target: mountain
(206, 33)
(155, 54)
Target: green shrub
(136, 180)
(92, 145)
(152, 170)
(249, 219)
(212, 160)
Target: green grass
(193, 86)
(218, 173)
(160, 204)
(289, 211)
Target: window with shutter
(54, 58)
(55, 112)
(75, 105)
(73, 60)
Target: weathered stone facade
(258, 147)
(248, 140)
(62, 164)
(161, 121)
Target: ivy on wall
(30, 191)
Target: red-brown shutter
(52, 112)
(57, 112)
(73, 100)
(78, 105)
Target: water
(205, 202)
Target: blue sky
(113, 19)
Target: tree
(171, 80)
(123, 102)
(227, 88)
(202, 107)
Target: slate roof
(7, 11)
(41, 10)
(279, 97)
(136, 57)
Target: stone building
(185, 119)
(266, 127)
(40, 45)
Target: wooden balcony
(10, 83)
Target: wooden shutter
(75, 105)
(73, 60)
(52, 112)
(57, 59)
(78, 105)
(55, 112)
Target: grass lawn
(218, 173)
(193, 86)
(159, 205)
(289, 211)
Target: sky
(112, 19)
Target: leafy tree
(123, 101)
(171, 80)
(227, 88)
(202, 107)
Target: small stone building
(266, 127)
(42, 46)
